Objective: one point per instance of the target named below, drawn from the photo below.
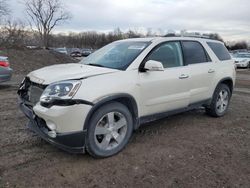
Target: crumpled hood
(55, 73)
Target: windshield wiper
(97, 65)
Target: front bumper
(73, 142)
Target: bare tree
(12, 34)
(4, 8)
(46, 15)
(239, 45)
(215, 36)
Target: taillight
(4, 64)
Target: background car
(5, 70)
(62, 50)
(242, 60)
(76, 54)
(86, 52)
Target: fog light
(52, 134)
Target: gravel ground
(186, 150)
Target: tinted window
(194, 52)
(169, 54)
(220, 50)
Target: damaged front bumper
(73, 142)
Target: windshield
(117, 55)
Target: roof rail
(195, 35)
(204, 36)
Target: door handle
(211, 71)
(183, 76)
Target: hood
(55, 73)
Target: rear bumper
(73, 142)
(5, 74)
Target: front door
(167, 90)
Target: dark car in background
(86, 52)
(76, 54)
(5, 70)
(61, 50)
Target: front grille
(31, 92)
(34, 93)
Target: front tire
(109, 131)
(220, 101)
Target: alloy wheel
(222, 101)
(110, 130)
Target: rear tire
(220, 101)
(109, 131)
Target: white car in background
(242, 60)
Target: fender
(120, 97)
(224, 80)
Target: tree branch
(46, 15)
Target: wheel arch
(227, 81)
(123, 98)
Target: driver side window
(169, 54)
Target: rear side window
(194, 52)
(220, 50)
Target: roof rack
(194, 35)
(198, 36)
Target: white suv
(96, 104)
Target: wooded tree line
(91, 39)
(44, 15)
(13, 35)
(239, 45)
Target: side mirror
(152, 65)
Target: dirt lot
(187, 150)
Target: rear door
(201, 68)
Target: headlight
(60, 90)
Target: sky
(229, 18)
